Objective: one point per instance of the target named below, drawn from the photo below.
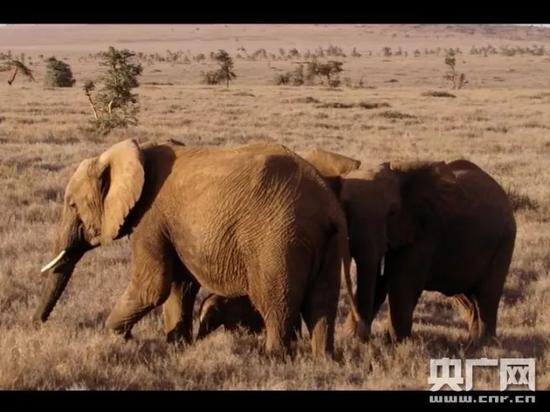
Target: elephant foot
(363, 331)
(177, 338)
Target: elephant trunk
(361, 324)
(369, 275)
(210, 317)
(61, 270)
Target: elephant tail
(362, 329)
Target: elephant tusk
(53, 262)
(382, 265)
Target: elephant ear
(122, 175)
(332, 167)
(430, 192)
(331, 164)
(449, 196)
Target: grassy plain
(500, 120)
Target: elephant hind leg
(278, 301)
(278, 336)
(321, 302)
(488, 292)
(177, 311)
(278, 313)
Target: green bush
(58, 74)
(114, 105)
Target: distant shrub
(58, 74)
(293, 78)
(225, 70)
(359, 84)
(363, 105)
(373, 105)
(334, 82)
(306, 73)
(114, 105)
(457, 80)
(335, 51)
(307, 99)
(330, 70)
(355, 53)
(336, 105)
(210, 77)
(392, 114)
(293, 54)
(437, 93)
(259, 54)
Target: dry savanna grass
(500, 120)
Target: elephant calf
(231, 313)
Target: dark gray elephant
(436, 226)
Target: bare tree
(17, 67)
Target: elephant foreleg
(404, 291)
(402, 303)
(149, 287)
(320, 305)
(370, 297)
(380, 294)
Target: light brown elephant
(424, 226)
(255, 220)
(232, 313)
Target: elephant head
(98, 198)
(216, 311)
(388, 207)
